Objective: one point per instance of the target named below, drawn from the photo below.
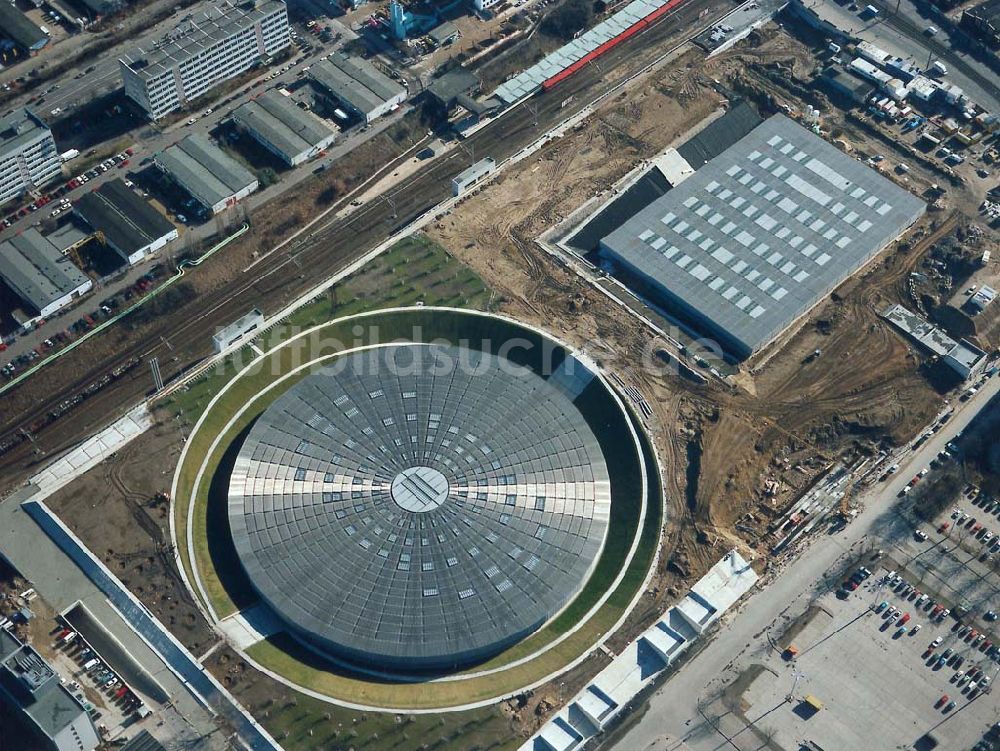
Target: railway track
(280, 277)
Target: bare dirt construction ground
(718, 447)
(112, 508)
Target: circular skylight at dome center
(407, 514)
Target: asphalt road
(280, 278)
(672, 720)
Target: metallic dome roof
(415, 506)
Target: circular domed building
(420, 507)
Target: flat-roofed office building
(28, 154)
(206, 48)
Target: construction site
(739, 448)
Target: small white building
(234, 332)
(470, 176)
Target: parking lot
(876, 684)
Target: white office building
(206, 48)
(28, 155)
(484, 4)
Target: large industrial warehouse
(291, 134)
(420, 507)
(358, 86)
(759, 235)
(212, 177)
(130, 226)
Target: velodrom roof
(127, 221)
(36, 269)
(282, 124)
(418, 506)
(761, 233)
(205, 170)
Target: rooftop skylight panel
(749, 211)
(728, 227)
(850, 217)
(681, 227)
(757, 187)
(694, 235)
(743, 302)
(780, 171)
(766, 222)
(724, 194)
(864, 225)
(757, 311)
(827, 173)
(765, 284)
(761, 249)
(817, 225)
(703, 209)
(837, 209)
(658, 243)
(774, 140)
(734, 170)
(830, 234)
(668, 218)
(754, 155)
(809, 250)
(684, 261)
(795, 241)
(771, 195)
(722, 255)
(799, 156)
(753, 275)
(716, 283)
(787, 205)
(707, 244)
(884, 209)
(690, 201)
(671, 252)
(646, 234)
(779, 293)
(766, 162)
(823, 259)
(788, 268)
(739, 266)
(730, 293)
(715, 219)
(737, 202)
(712, 186)
(801, 276)
(843, 242)
(788, 147)
(775, 258)
(745, 178)
(857, 192)
(782, 233)
(699, 272)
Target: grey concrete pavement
(673, 718)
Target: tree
(567, 19)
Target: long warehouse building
(291, 134)
(358, 86)
(759, 235)
(38, 273)
(207, 47)
(130, 226)
(213, 178)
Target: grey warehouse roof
(281, 123)
(401, 513)
(37, 270)
(762, 232)
(197, 32)
(127, 221)
(355, 81)
(205, 171)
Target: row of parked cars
(119, 160)
(84, 323)
(101, 675)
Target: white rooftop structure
(673, 166)
(919, 329)
(640, 662)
